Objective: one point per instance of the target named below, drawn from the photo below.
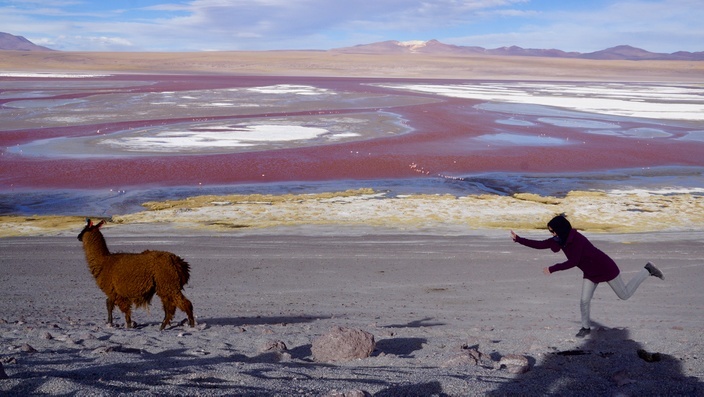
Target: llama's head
(89, 228)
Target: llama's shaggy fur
(128, 278)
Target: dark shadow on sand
(259, 320)
(606, 363)
(417, 390)
(191, 373)
(423, 322)
(148, 369)
(402, 347)
(225, 321)
(303, 353)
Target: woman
(595, 264)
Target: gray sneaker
(654, 271)
(583, 332)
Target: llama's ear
(101, 223)
(89, 223)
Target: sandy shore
(429, 300)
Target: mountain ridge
(9, 42)
(620, 52)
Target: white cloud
(92, 43)
(658, 26)
(321, 23)
(663, 26)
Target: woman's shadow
(607, 363)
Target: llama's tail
(183, 269)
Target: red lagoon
(443, 140)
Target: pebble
(28, 349)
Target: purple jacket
(594, 263)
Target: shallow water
(651, 182)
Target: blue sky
(206, 25)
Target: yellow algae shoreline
(589, 211)
(13, 225)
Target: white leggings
(623, 291)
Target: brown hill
(636, 54)
(18, 43)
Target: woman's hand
(546, 270)
(513, 236)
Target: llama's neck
(96, 251)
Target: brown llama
(129, 278)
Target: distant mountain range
(434, 47)
(18, 43)
(623, 52)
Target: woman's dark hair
(562, 227)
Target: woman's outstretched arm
(537, 244)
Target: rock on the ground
(515, 363)
(343, 344)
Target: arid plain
(332, 64)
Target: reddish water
(441, 143)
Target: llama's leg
(110, 303)
(125, 306)
(187, 307)
(169, 310)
